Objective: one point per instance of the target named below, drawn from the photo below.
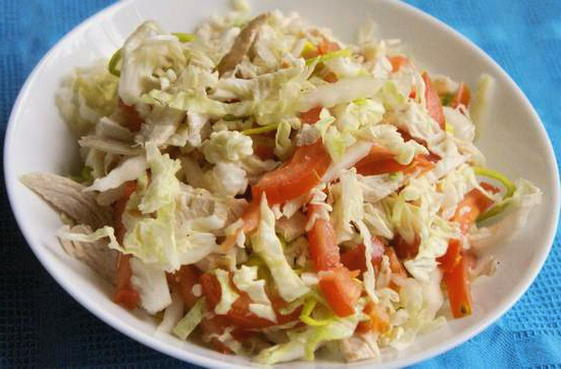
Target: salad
(267, 190)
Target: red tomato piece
(324, 251)
(250, 220)
(119, 208)
(354, 258)
(422, 164)
(125, 294)
(462, 96)
(239, 314)
(183, 281)
(434, 106)
(453, 255)
(133, 121)
(330, 77)
(336, 281)
(215, 325)
(302, 173)
(395, 265)
(398, 61)
(311, 116)
(382, 161)
(379, 161)
(473, 204)
(405, 250)
(455, 263)
(379, 320)
(325, 47)
(458, 286)
(264, 146)
(264, 152)
(340, 291)
(489, 187)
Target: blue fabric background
(523, 36)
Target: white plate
(514, 141)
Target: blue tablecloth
(42, 327)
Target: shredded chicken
(69, 197)
(357, 348)
(109, 145)
(97, 255)
(242, 44)
(293, 227)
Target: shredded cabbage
(342, 91)
(151, 283)
(304, 344)
(246, 280)
(329, 56)
(147, 49)
(514, 212)
(348, 209)
(229, 146)
(128, 170)
(164, 185)
(268, 246)
(483, 92)
(227, 294)
(87, 96)
(172, 315)
(190, 321)
(306, 318)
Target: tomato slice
(183, 281)
(119, 208)
(331, 77)
(398, 61)
(340, 291)
(473, 204)
(336, 281)
(250, 219)
(264, 146)
(453, 255)
(382, 161)
(125, 294)
(354, 258)
(264, 152)
(322, 241)
(302, 173)
(312, 53)
(405, 250)
(455, 263)
(434, 106)
(325, 47)
(378, 161)
(311, 116)
(239, 314)
(215, 326)
(133, 121)
(379, 320)
(458, 285)
(395, 265)
(462, 96)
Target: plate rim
(185, 355)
